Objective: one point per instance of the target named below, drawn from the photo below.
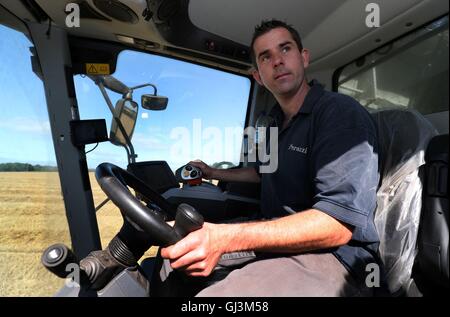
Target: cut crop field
(32, 217)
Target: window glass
(409, 73)
(32, 214)
(204, 119)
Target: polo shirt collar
(312, 97)
(314, 94)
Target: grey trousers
(310, 274)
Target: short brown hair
(268, 25)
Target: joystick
(191, 175)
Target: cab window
(411, 72)
(32, 214)
(204, 118)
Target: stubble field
(32, 217)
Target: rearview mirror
(126, 111)
(152, 102)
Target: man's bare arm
(246, 174)
(301, 232)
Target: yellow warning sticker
(97, 69)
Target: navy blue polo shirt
(328, 160)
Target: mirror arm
(105, 95)
(130, 153)
(145, 85)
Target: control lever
(189, 174)
(187, 219)
(56, 258)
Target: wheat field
(32, 217)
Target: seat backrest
(403, 138)
(433, 256)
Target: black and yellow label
(97, 69)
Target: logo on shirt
(303, 150)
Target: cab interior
(397, 70)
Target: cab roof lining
(231, 23)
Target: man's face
(281, 65)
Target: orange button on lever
(195, 182)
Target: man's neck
(292, 104)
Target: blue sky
(204, 104)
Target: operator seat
(432, 269)
(403, 139)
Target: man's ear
(257, 77)
(305, 56)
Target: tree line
(25, 167)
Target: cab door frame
(55, 67)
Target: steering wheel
(114, 181)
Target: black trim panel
(172, 20)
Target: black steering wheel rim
(114, 180)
